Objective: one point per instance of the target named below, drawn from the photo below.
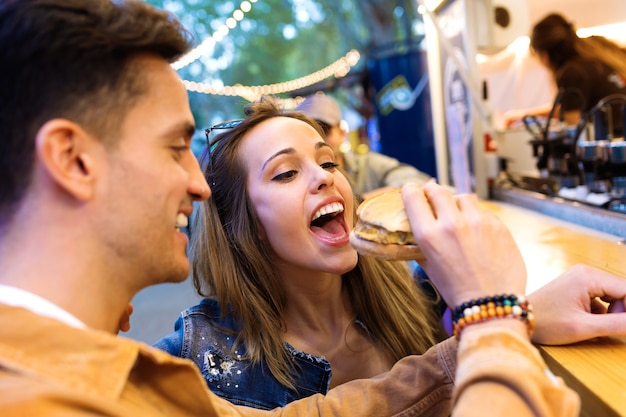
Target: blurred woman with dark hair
(590, 68)
(585, 70)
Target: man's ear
(64, 150)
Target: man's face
(150, 182)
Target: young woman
(288, 299)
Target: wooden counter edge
(591, 404)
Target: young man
(97, 179)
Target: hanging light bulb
(338, 69)
(217, 36)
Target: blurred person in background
(585, 70)
(369, 172)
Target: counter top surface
(595, 368)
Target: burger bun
(387, 252)
(383, 229)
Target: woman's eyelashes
(290, 174)
(285, 176)
(331, 166)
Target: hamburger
(383, 230)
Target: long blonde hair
(231, 264)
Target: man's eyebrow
(186, 129)
(189, 129)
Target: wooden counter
(595, 369)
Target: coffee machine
(554, 147)
(602, 158)
(589, 157)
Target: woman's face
(303, 201)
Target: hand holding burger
(466, 250)
(469, 251)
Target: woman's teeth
(328, 209)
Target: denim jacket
(201, 334)
(198, 335)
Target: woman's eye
(331, 166)
(287, 175)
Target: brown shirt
(50, 369)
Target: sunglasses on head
(210, 147)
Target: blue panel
(403, 109)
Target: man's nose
(198, 186)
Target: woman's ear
(64, 151)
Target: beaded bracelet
(489, 308)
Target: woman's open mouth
(328, 223)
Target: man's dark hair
(71, 59)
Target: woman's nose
(323, 178)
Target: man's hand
(574, 306)
(469, 251)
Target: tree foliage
(280, 40)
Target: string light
(217, 36)
(340, 68)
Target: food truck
(481, 69)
